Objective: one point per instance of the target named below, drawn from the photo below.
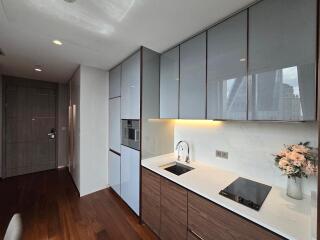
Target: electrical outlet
(225, 155)
(218, 153)
(221, 154)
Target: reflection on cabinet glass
(169, 84)
(130, 87)
(114, 82)
(227, 69)
(282, 54)
(193, 78)
(114, 124)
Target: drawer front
(173, 211)
(151, 200)
(207, 221)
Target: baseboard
(94, 190)
(74, 184)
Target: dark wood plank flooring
(51, 209)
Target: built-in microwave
(131, 133)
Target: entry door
(30, 126)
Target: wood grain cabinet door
(150, 200)
(208, 221)
(174, 204)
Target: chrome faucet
(179, 147)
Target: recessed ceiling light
(37, 69)
(57, 42)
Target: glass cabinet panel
(115, 82)
(169, 84)
(227, 69)
(130, 87)
(282, 56)
(193, 78)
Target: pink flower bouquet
(298, 160)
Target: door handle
(195, 234)
(136, 136)
(52, 134)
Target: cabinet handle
(195, 234)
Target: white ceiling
(98, 33)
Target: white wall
(89, 97)
(250, 146)
(93, 129)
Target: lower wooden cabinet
(150, 200)
(193, 236)
(174, 213)
(207, 220)
(174, 210)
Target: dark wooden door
(30, 123)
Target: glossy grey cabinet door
(169, 84)
(193, 78)
(114, 124)
(114, 171)
(227, 69)
(115, 82)
(130, 87)
(282, 55)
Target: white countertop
(285, 216)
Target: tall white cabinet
(114, 129)
(134, 91)
(130, 177)
(114, 124)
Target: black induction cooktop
(249, 193)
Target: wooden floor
(51, 209)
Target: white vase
(294, 188)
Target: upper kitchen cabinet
(193, 78)
(227, 69)
(115, 82)
(282, 57)
(169, 84)
(130, 87)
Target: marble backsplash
(250, 146)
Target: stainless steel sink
(177, 168)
